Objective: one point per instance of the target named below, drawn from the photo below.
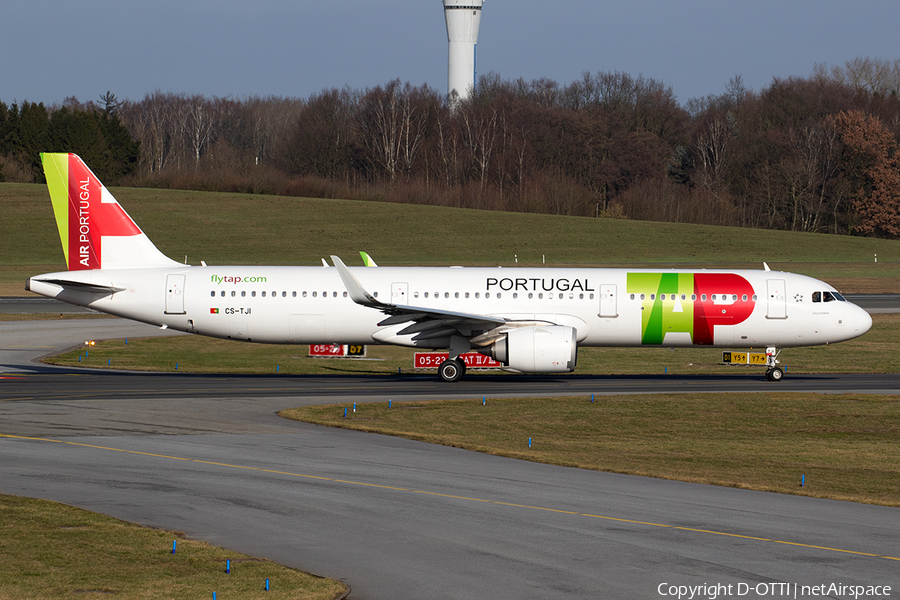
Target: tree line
(816, 154)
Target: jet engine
(538, 349)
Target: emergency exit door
(175, 294)
(608, 308)
(777, 301)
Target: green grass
(846, 446)
(52, 550)
(878, 351)
(251, 229)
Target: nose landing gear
(773, 371)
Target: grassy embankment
(51, 550)
(244, 229)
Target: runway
(400, 519)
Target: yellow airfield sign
(744, 358)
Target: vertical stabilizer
(96, 233)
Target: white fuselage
(606, 307)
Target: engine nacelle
(539, 349)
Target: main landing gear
(773, 371)
(452, 369)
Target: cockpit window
(827, 297)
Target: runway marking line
(442, 495)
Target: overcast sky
(50, 49)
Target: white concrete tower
(463, 18)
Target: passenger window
(703, 297)
(213, 293)
(243, 293)
(515, 295)
(591, 296)
(253, 294)
(477, 295)
(304, 294)
(540, 296)
(345, 294)
(446, 294)
(734, 297)
(293, 294)
(223, 293)
(653, 296)
(426, 294)
(693, 297)
(498, 295)
(315, 294)
(755, 297)
(632, 296)
(263, 294)
(744, 298)
(456, 295)
(643, 297)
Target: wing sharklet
(354, 288)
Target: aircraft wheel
(451, 370)
(775, 374)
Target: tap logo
(692, 303)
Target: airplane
(531, 320)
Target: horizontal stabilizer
(78, 286)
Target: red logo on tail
(90, 219)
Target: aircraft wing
(426, 322)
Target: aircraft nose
(862, 321)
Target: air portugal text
(84, 223)
(538, 284)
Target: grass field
(247, 229)
(51, 550)
(845, 446)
